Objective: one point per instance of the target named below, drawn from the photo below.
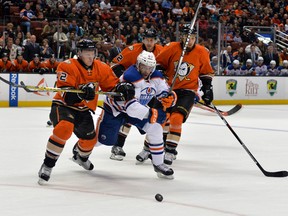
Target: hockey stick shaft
(204, 106)
(266, 173)
(185, 46)
(30, 88)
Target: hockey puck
(159, 197)
(49, 123)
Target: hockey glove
(127, 91)
(169, 101)
(207, 90)
(89, 92)
(156, 116)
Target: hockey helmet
(236, 62)
(86, 44)
(146, 58)
(150, 33)
(249, 61)
(185, 29)
(272, 62)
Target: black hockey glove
(207, 89)
(156, 116)
(127, 91)
(89, 92)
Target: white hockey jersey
(145, 90)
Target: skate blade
(115, 157)
(41, 181)
(162, 176)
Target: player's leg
(63, 119)
(85, 131)
(117, 152)
(179, 114)
(156, 147)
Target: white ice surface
(214, 175)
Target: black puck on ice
(49, 123)
(159, 197)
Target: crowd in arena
(40, 33)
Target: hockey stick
(29, 88)
(185, 46)
(204, 106)
(266, 173)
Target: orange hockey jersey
(195, 63)
(71, 73)
(35, 67)
(5, 66)
(129, 55)
(20, 66)
(52, 66)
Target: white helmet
(273, 62)
(236, 62)
(285, 62)
(260, 58)
(249, 61)
(146, 58)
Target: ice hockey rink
(214, 175)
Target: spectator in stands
(177, 11)
(46, 50)
(203, 27)
(71, 44)
(261, 68)
(48, 30)
(26, 41)
(114, 51)
(283, 70)
(35, 65)
(12, 49)
(74, 25)
(272, 69)
(73, 15)
(237, 38)
(283, 55)
(20, 64)
(188, 12)
(31, 49)
(227, 57)
(5, 63)
(60, 39)
(248, 69)
(26, 15)
(18, 45)
(105, 4)
(271, 55)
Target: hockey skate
(44, 174)
(117, 153)
(169, 156)
(143, 156)
(84, 162)
(163, 171)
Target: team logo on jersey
(272, 86)
(146, 95)
(231, 86)
(184, 70)
(131, 48)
